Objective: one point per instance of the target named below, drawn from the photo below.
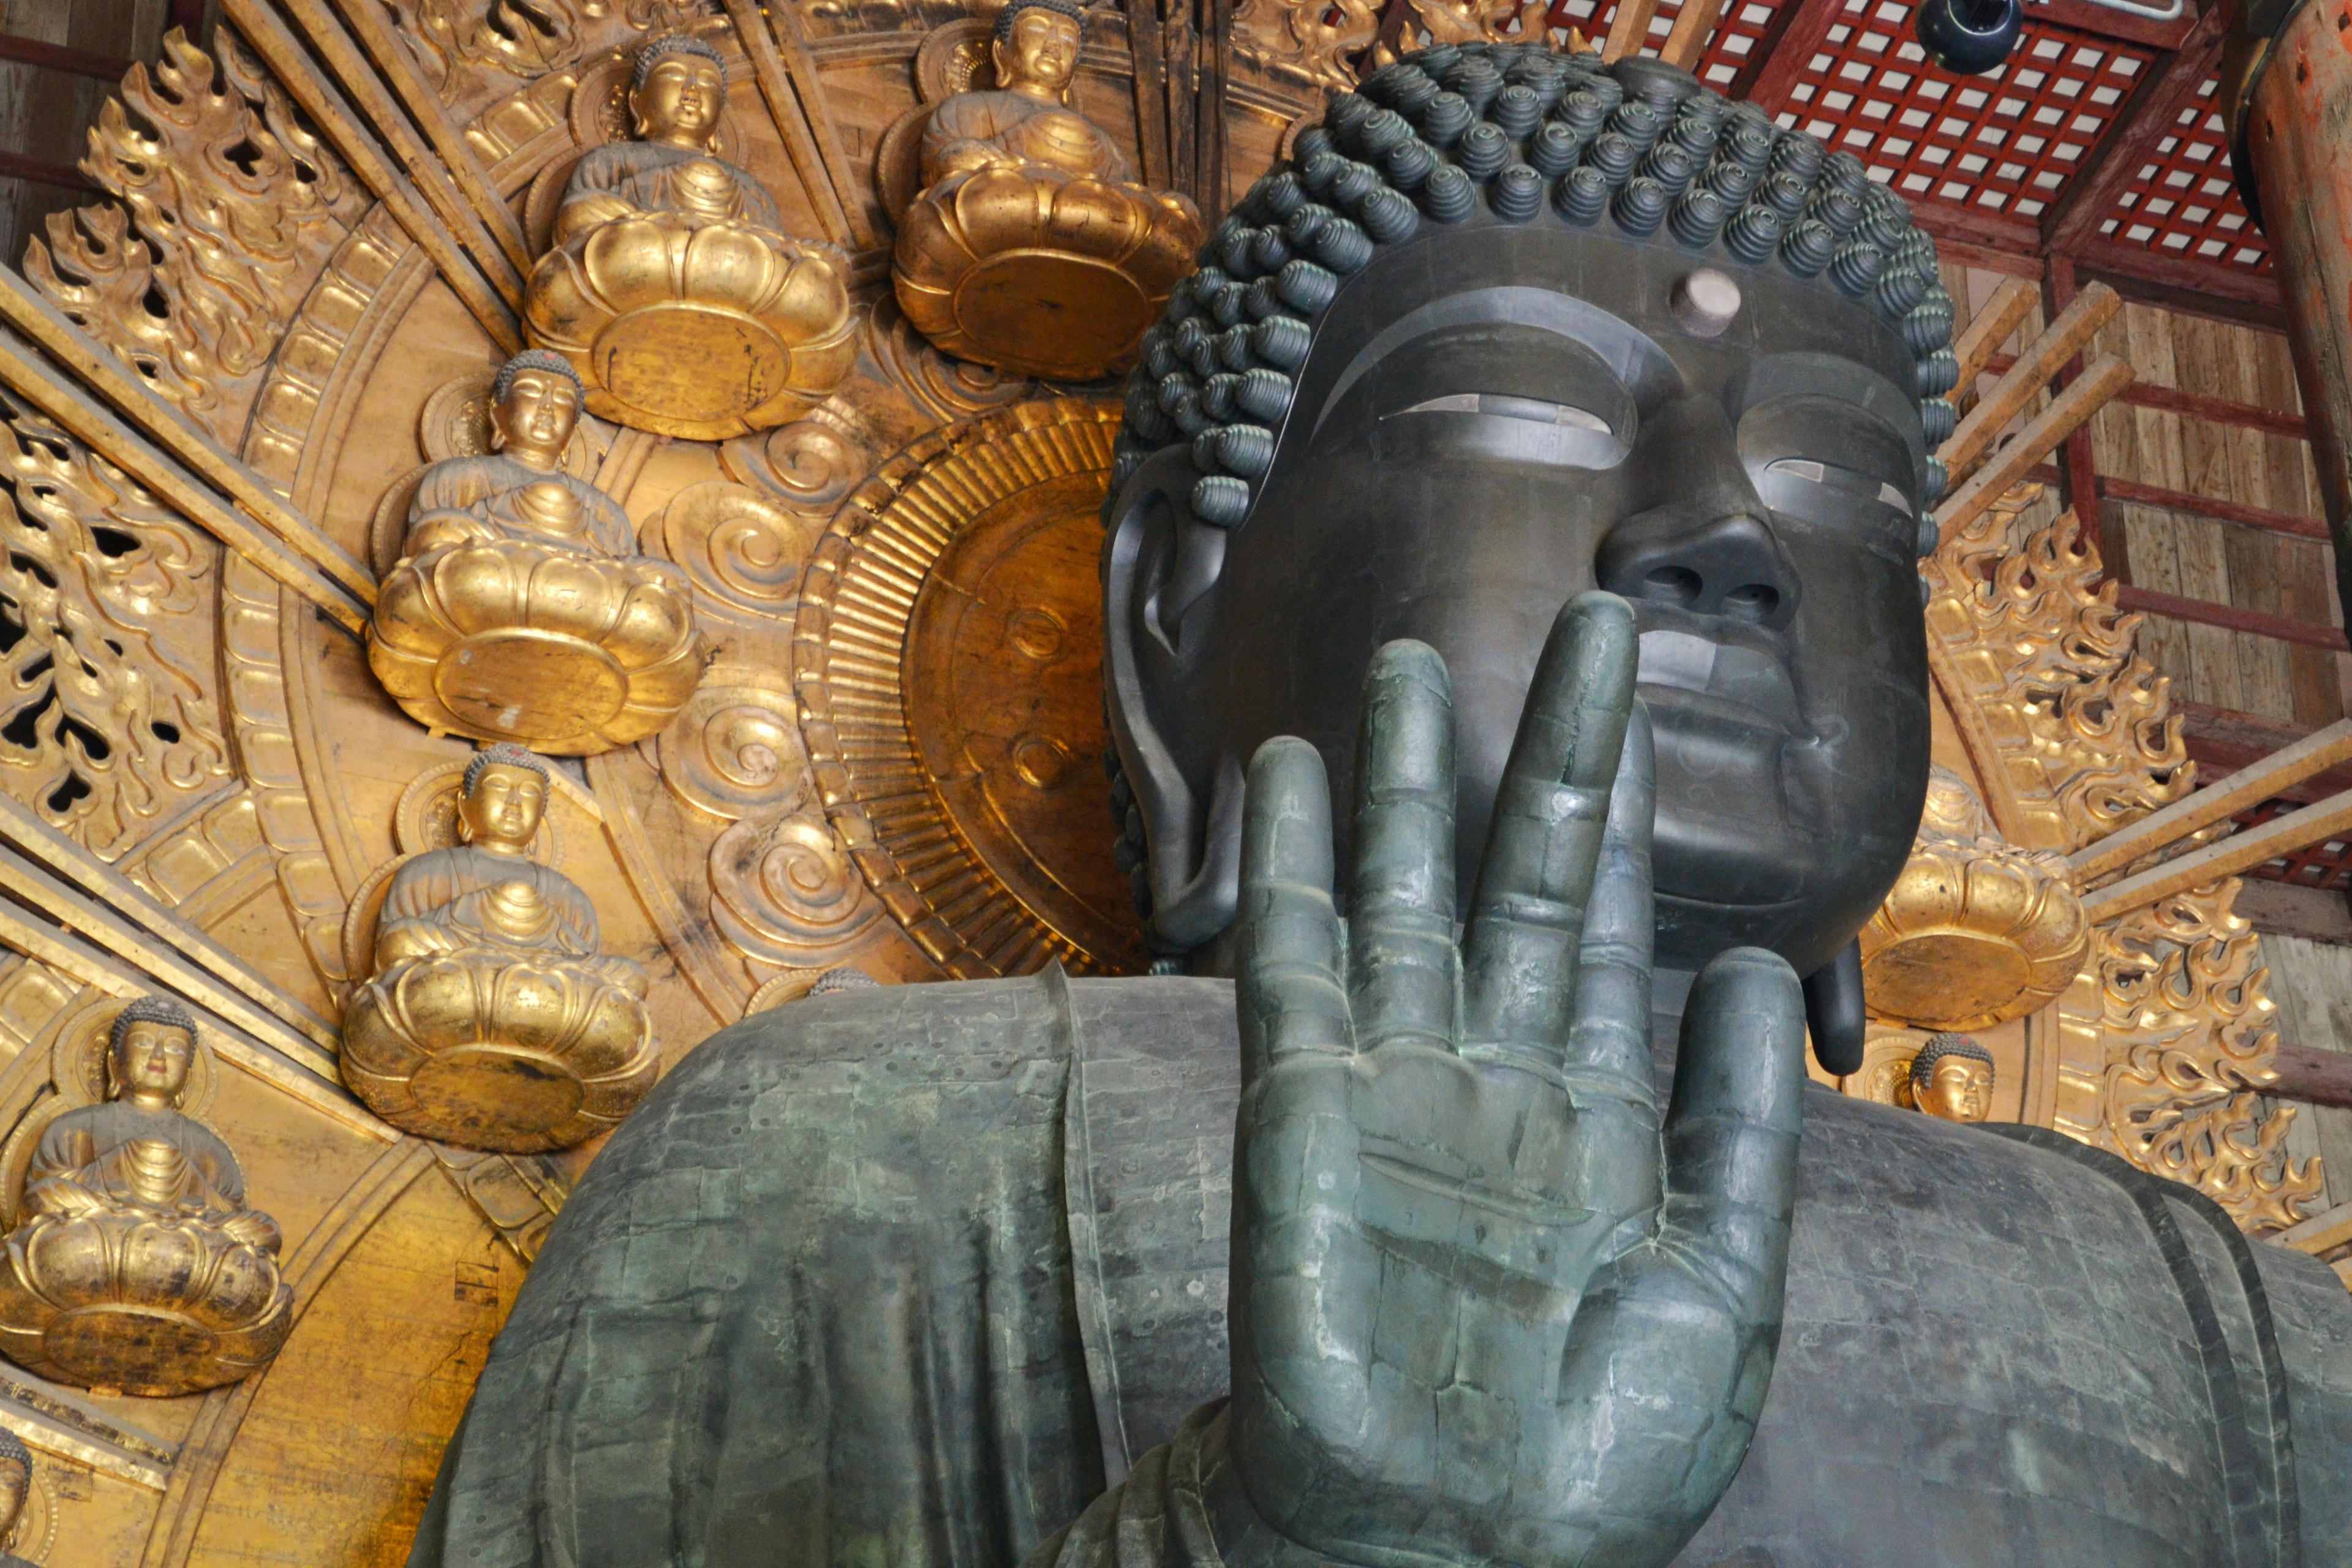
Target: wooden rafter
(1796, 31)
(2147, 117)
(58, 57)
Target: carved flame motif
(2166, 1031)
(234, 206)
(2080, 722)
(525, 39)
(1309, 41)
(108, 718)
(2179, 999)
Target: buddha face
(503, 810)
(680, 102)
(1958, 1089)
(1040, 55)
(535, 419)
(1493, 418)
(151, 1063)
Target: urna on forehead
(1512, 325)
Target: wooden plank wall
(2180, 552)
(2174, 551)
(47, 114)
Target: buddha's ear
(1160, 560)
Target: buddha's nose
(1732, 565)
(1706, 543)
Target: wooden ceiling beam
(2166, 89)
(1792, 38)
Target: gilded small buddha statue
(492, 1019)
(16, 1491)
(135, 1263)
(521, 609)
(1952, 1077)
(672, 284)
(1030, 247)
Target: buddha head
(1510, 326)
(149, 1052)
(16, 1484)
(676, 91)
(502, 799)
(1034, 47)
(534, 406)
(1952, 1077)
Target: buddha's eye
(1503, 406)
(1846, 482)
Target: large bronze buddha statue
(1383, 1251)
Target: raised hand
(1483, 1311)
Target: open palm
(1484, 1309)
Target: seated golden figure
(136, 1264)
(491, 1020)
(1029, 247)
(672, 284)
(16, 1491)
(521, 609)
(1975, 931)
(1952, 1077)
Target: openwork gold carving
(1307, 41)
(134, 1260)
(525, 37)
(1030, 248)
(491, 1020)
(1975, 930)
(109, 723)
(966, 566)
(519, 609)
(673, 288)
(2077, 724)
(233, 207)
(2175, 995)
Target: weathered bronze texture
(1029, 247)
(1975, 931)
(491, 1020)
(519, 609)
(134, 1261)
(672, 286)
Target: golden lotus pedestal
(1972, 934)
(701, 331)
(513, 1056)
(505, 639)
(1045, 276)
(150, 1304)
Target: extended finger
(1288, 995)
(1400, 954)
(1606, 1069)
(1519, 952)
(1732, 1130)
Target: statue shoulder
(602, 167)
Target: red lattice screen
(2001, 144)
(2326, 865)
